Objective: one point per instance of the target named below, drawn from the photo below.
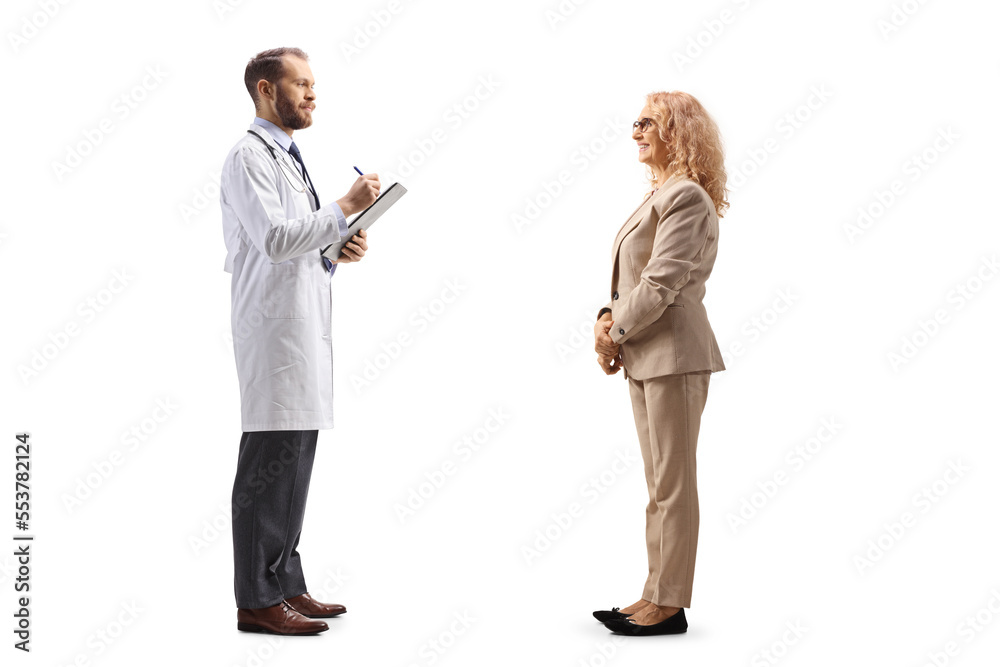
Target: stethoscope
(283, 166)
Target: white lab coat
(280, 289)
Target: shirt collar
(279, 135)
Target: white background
(822, 107)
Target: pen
(358, 170)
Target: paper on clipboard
(366, 218)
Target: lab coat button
(615, 295)
(621, 331)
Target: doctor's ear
(265, 90)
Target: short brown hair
(269, 66)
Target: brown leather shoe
(281, 619)
(307, 606)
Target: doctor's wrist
(346, 207)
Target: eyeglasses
(643, 124)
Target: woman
(656, 329)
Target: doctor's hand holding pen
(361, 195)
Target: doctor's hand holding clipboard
(364, 220)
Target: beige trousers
(667, 413)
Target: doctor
(274, 228)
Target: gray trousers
(269, 502)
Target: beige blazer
(662, 257)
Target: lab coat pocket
(285, 291)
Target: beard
(290, 114)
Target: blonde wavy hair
(693, 142)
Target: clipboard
(366, 218)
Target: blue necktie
(293, 150)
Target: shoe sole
(250, 627)
(649, 634)
(635, 630)
(325, 615)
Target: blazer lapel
(633, 220)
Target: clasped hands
(609, 354)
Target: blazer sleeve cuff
(626, 327)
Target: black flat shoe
(613, 615)
(674, 625)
